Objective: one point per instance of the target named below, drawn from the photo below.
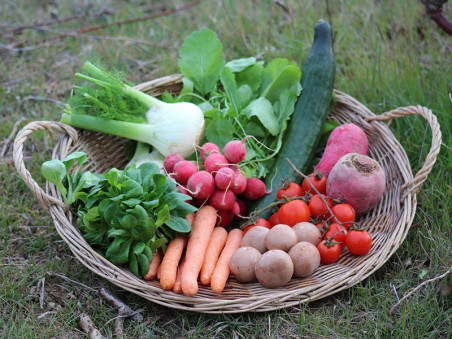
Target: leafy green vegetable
(126, 215)
(239, 98)
(130, 213)
(202, 65)
(70, 184)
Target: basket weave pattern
(388, 223)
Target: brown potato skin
(305, 257)
(280, 237)
(255, 237)
(309, 232)
(243, 263)
(274, 269)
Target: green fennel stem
(130, 130)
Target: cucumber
(312, 107)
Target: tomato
(293, 212)
(322, 226)
(328, 253)
(317, 180)
(247, 228)
(263, 222)
(274, 219)
(318, 208)
(292, 190)
(259, 222)
(335, 232)
(345, 213)
(358, 242)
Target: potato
(305, 257)
(243, 262)
(307, 231)
(280, 237)
(274, 269)
(255, 238)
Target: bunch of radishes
(216, 179)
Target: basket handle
(414, 185)
(51, 126)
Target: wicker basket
(388, 223)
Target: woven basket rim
(237, 297)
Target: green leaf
(278, 75)
(133, 264)
(143, 264)
(148, 253)
(128, 222)
(251, 76)
(131, 202)
(163, 216)
(239, 65)
(138, 248)
(188, 87)
(55, 172)
(179, 224)
(263, 110)
(118, 251)
(230, 88)
(79, 156)
(245, 95)
(220, 131)
(115, 233)
(255, 129)
(285, 105)
(132, 189)
(200, 59)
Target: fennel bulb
(113, 107)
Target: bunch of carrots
(204, 255)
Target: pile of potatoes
(273, 256)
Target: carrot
(213, 251)
(159, 270)
(190, 217)
(221, 273)
(177, 288)
(154, 265)
(203, 225)
(170, 262)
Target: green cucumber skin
(311, 110)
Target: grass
(389, 54)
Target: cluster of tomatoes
(302, 203)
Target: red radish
(255, 189)
(238, 182)
(234, 151)
(214, 162)
(243, 209)
(358, 180)
(183, 170)
(207, 149)
(201, 184)
(235, 208)
(224, 177)
(222, 200)
(199, 202)
(224, 218)
(171, 160)
(344, 139)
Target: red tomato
(292, 190)
(259, 222)
(293, 212)
(318, 208)
(345, 213)
(247, 228)
(335, 232)
(322, 226)
(358, 242)
(274, 219)
(328, 253)
(317, 180)
(263, 222)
